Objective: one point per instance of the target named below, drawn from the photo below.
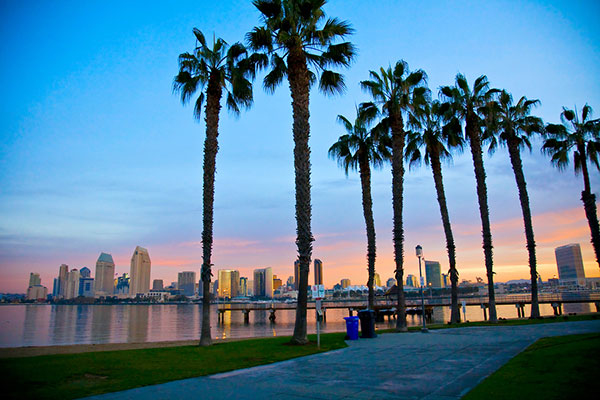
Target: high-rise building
(277, 283)
(72, 284)
(56, 288)
(433, 273)
(34, 279)
(86, 284)
(157, 284)
(85, 272)
(250, 288)
(446, 280)
(412, 281)
(37, 292)
(139, 272)
(186, 281)
(390, 282)
(345, 283)
(296, 274)
(570, 264)
(229, 283)
(104, 284)
(63, 271)
(122, 284)
(376, 280)
(263, 282)
(243, 286)
(318, 272)
(290, 282)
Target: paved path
(441, 364)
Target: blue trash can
(352, 327)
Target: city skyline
(129, 169)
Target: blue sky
(98, 155)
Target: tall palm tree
(428, 135)
(210, 70)
(396, 91)
(582, 136)
(358, 149)
(512, 125)
(466, 105)
(297, 37)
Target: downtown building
(186, 282)
(263, 282)
(35, 290)
(229, 283)
(104, 284)
(569, 262)
(433, 273)
(139, 273)
(86, 283)
(318, 266)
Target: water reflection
(39, 325)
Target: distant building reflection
(137, 323)
(101, 328)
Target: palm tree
(297, 37)
(582, 136)
(209, 71)
(360, 148)
(396, 92)
(514, 125)
(429, 135)
(467, 105)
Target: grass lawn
(563, 367)
(68, 376)
(505, 322)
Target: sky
(98, 155)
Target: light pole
(419, 251)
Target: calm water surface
(44, 325)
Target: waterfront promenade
(441, 364)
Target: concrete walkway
(441, 364)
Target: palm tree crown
(291, 34)
(226, 67)
(582, 136)
(512, 123)
(360, 145)
(430, 134)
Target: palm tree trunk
(398, 138)
(436, 168)
(517, 166)
(589, 205)
(298, 78)
(484, 212)
(211, 147)
(365, 180)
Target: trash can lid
(353, 318)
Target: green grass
(564, 367)
(505, 322)
(68, 376)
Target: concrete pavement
(441, 364)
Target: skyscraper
(157, 284)
(243, 286)
(186, 281)
(376, 280)
(296, 274)
(72, 284)
(229, 283)
(85, 272)
(446, 280)
(62, 279)
(318, 272)
(412, 281)
(390, 282)
(345, 283)
(570, 264)
(263, 282)
(104, 284)
(277, 283)
(139, 272)
(433, 273)
(34, 279)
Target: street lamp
(419, 251)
